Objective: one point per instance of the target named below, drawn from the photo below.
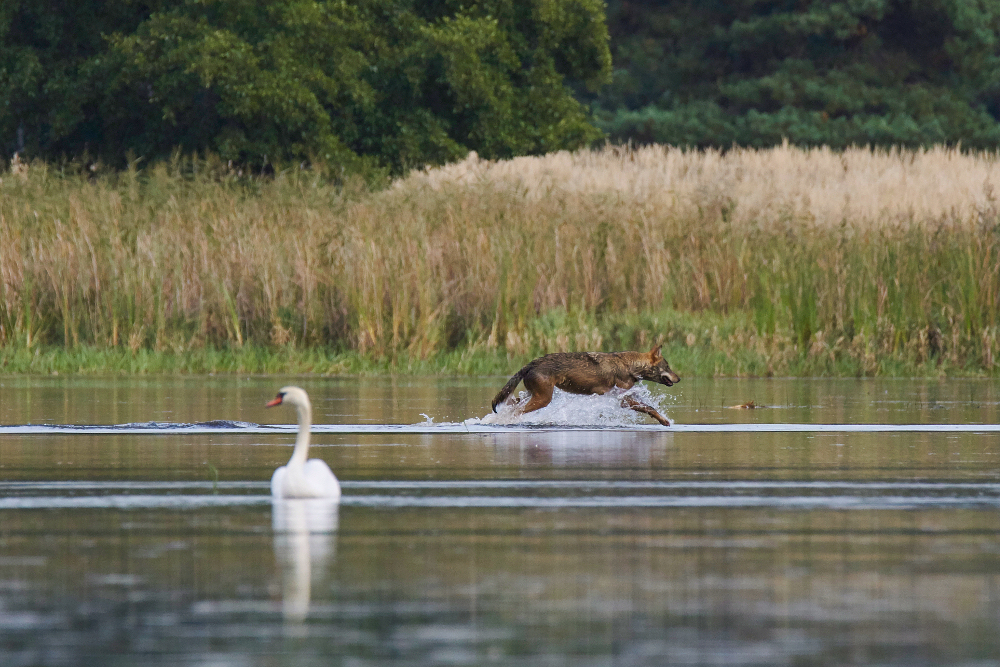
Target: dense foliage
(354, 83)
(753, 72)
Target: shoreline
(325, 362)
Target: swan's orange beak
(275, 401)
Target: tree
(395, 83)
(753, 72)
(48, 54)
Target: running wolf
(590, 373)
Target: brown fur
(590, 373)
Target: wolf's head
(659, 370)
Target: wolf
(590, 373)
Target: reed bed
(748, 262)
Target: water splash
(568, 409)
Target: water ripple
(426, 428)
(502, 494)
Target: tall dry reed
(859, 255)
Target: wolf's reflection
(305, 532)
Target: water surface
(587, 536)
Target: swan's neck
(302, 439)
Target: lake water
(849, 522)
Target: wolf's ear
(655, 353)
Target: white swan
(302, 478)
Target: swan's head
(292, 396)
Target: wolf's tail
(509, 387)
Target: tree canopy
(394, 84)
(755, 72)
(384, 83)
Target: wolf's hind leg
(512, 402)
(639, 406)
(541, 394)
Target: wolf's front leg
(639, 406)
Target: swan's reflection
(305, 531)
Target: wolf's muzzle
(669, 379)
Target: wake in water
(568, 409)
(221, 424)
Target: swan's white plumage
(302, 478)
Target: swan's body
(302, 478)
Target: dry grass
(815, 261)
(818, 186)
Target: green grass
(184, 269)
(696, 346)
